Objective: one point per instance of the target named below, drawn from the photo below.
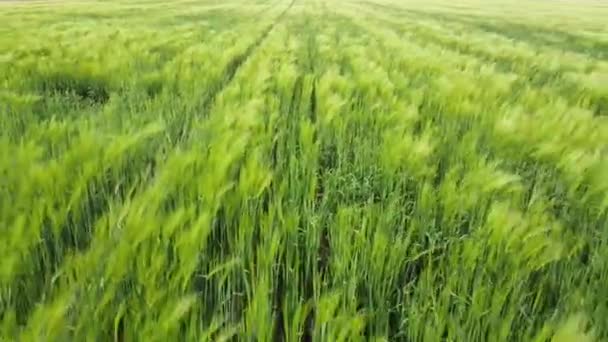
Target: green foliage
(303, 170)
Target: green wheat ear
(325, 170)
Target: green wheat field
(304, 170)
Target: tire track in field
(327, 169)
(323, 252)
(230, 72)
(289, 126)
(301, 104)
(206, 106)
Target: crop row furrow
(568, 77)
(534, 35)
(492, 91)
(468, 131)
(95, 190)
(303, 170)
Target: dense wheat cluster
(304, 170)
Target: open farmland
(304, 170)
